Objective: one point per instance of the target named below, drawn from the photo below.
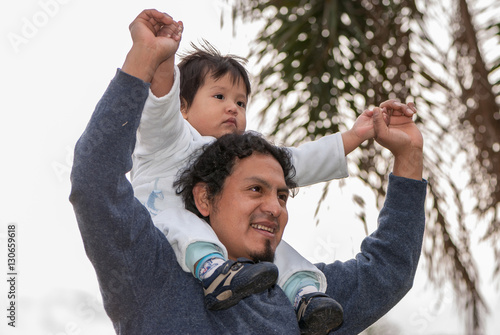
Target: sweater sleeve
(382, 273)
(116, 229)
(320, 160)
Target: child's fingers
(379, 121)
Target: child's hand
(361, 130)
(363, 126)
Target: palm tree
(321, 62)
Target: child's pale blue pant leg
(297, 281)
(199, 251)
(183, 228)
(296, 271)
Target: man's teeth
(258, 226)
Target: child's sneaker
(233, 281)
(318, 313)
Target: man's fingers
(390, 104)
(154, 19)
(399, 108)
(412, 107)
(387, 118)
(171, 31)
(160, 24)
(162, 18)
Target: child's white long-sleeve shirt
(165, 141)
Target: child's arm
(162, 133)
(162, 125)
(163, 78)
(160, 122)
(324, 159)
(361, 131)
(319, 161)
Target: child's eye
(242, 104)
(219, 96)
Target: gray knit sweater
(144, 289)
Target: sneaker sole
(256, 282)
(322, 321)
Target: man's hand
(155, 38)
(401, 137)
(363, 126)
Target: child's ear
(184, 108)
(200, 195)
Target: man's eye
(255, 188)
(283, 197)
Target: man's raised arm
(372, 283)
(115, 227)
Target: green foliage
(322, 62)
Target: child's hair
(207, 60)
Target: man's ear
(200, 195)
(184, 109)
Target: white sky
(57, 58)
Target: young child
(214, 91)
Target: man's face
(218, 107)
(249, 215)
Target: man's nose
(272, 206)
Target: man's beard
(267, 255)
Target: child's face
(218, 107)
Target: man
(144, 289)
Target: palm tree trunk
(482, 109)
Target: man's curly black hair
(217, 160)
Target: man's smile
(267, 230)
